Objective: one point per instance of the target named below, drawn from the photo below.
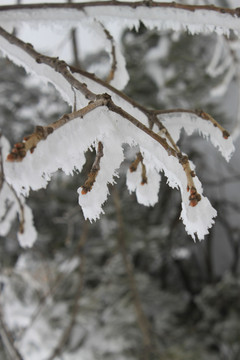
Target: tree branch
(58, 65)
(133, 5)
(200, 113)
(183, 159)
(20, 149)
(30, 142)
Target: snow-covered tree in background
(113, 126)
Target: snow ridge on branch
(194, 18)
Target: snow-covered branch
(195, 18)
(111, 119)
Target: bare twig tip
(226, 134)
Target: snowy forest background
(132, 285)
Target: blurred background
(132, 285)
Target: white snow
(28, 237)
(147, 194)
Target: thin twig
(8, 341)
(233, 239)
(141, 317)
(134, 165)
(30, 142)
(113, 53)
(75, 47)
(52, 290)
(1, 165)
(94, 170)
(56, 64)
(200, 113)
(74, 44)
(68, 330)
(21, 209)
(164, 132)
(40, 306)
(134, 5)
